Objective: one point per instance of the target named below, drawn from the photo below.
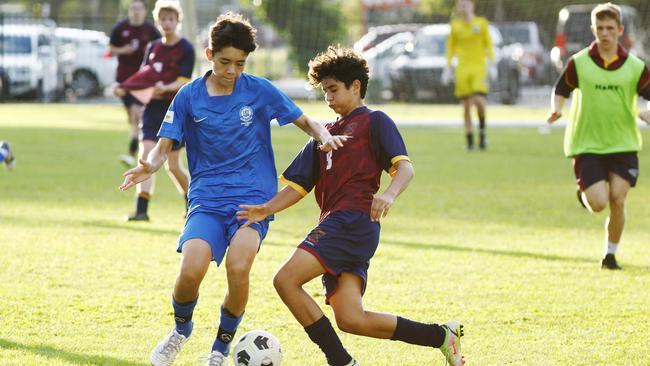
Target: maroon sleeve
(643, 88)
(568, 80)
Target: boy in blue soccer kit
(340, 248)
(224, 118)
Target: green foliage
(310, 26)
(495, 239)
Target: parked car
(92, 67)
(529, 49)
(380, 57)
(418, 74)
(28, 57)
(376, 35)
(573, 33)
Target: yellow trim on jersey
(296, 187)
(393, 170)
(607, 63)
(183, 79)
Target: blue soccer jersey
(228, 140)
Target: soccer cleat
(482, 142)
(579, 194)
(609, 262)
(10, 159)
(140, 216)
(166, 351)
(451, 346)
(216, 358)
(128, 160)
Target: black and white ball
(257, 348)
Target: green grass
(495, 239)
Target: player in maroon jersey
(129, 38)
(339, 249)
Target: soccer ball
(258, 348)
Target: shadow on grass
(508, 253)
(131, 227)
(51, 352)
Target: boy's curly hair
(339, 63)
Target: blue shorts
(343, 242)
(152, 118)
(217, 229)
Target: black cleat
(482, 144)
(579, 195)
(141, 216)
(609, 262)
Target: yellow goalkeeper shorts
(470, 81)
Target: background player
(602, 136)
(340, 247)
(7, 156)
(129, 38)
(172, 57)
(224, 117)
(470, 42)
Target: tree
(309, 25)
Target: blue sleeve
(116, 39)
(281, 107)
(303, 172)
(386, 140)
(187, 61)
(179, 110)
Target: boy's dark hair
(342, 64)
(232, 30)
(606, 11)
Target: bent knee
(349, 324)
(190, 276)
(240, 269)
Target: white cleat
(216, 358)
(10, 158)
(166, 351)
(128, 160)
(451, 346)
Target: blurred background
(56, 51)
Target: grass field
(494, 239)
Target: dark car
(573, 33)
(417, 75)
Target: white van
(28, 58)
(93, 68)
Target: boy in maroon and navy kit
(339, 249)
(129, 38)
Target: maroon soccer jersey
(124, 33)
(171, 61)
(348, 178)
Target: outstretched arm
(645, 115)
(557, 103)
(383, 202)
(147, 168)
(320, 133)
(253, 213)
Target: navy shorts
(128, 100)
(592, 168)
(217, 229)
(343, 242)
(152, 118)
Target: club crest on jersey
(246, 115)
(125, 33)
(169, 117)
(158, 66)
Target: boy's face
(339, 98)
(607, 31)
(137, 13)
(227, 64)
(168, 21)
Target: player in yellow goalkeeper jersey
(470, 42)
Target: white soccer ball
(257, 348)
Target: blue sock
(227, 329)
(183, 316)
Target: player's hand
(645, 116)
(333, 142)
(380, 206)
(119, 92)
(159, 89)
(554, 116)
(128, 49)
(447, 76)
(252, 213)
(137, 175)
